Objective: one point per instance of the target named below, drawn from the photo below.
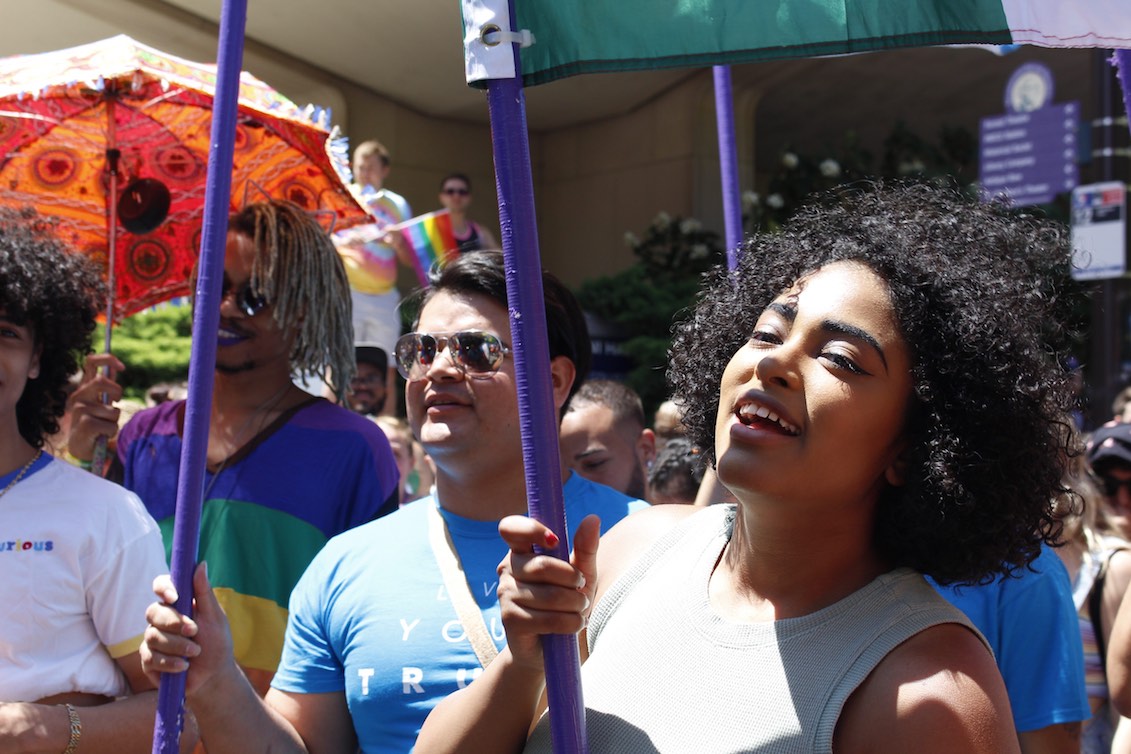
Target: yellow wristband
(76, 730)
(71, 459)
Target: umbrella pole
(202, 363)
(530, 345)
(113, 157)
(728, 163)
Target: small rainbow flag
(431, 240)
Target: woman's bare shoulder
(939, 691)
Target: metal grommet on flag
(489, 35)
(492, 35)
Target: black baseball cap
(1109, 444)
(370, 354)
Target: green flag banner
(594, 36)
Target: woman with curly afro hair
(878, 386)
(77, 553)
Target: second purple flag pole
(492, 48)
(206, 321)
(728, 163)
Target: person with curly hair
(75, 550)
(877, 385)
(286, 471)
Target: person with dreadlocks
(75, 550)
(286, 470)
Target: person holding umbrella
(286, 470)
(76, 548)
(877, 385)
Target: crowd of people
(865, 508)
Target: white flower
(830, 168)
(750, 199)
(789, 160)
(662, 221)
(689, 226)
(775, 201)
(914, 166)
(699, 251)
(630, 240)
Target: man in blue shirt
(1030, 623)
(380, 629)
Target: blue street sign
(1030, 156)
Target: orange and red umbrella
(118, 130)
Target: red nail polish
(551, 539)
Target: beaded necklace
(23, 471)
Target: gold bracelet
(76, 730)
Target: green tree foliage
(154, 345)
(645, 299)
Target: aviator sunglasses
(474, 352)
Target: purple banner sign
(1030, 157)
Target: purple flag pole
(1121, 59)
(538, 418)
(728, 163)
(202, 363)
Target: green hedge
(154, 345)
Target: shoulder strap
(455, 583)
(1095, 606)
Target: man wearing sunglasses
(285, 470)
(393, 616)
(366, 394)
(455, 196)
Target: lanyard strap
(455, 582)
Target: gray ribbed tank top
(665, 674)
